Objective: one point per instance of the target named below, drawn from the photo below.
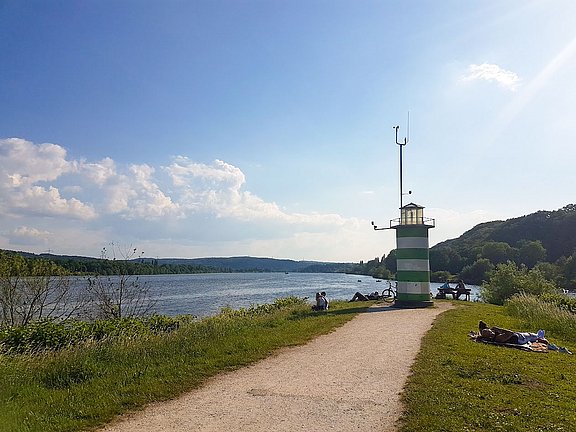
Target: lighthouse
(412, 250)
(412, 257)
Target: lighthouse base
(410, 304)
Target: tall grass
(549, 312)
(87, 384)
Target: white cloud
(99, 172)
(24, 235)
(492, 73)
(49, 202)
(25, 163)
(178, 206)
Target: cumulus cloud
(24, 235)
(24, 163)
(218, 189)
(492, 73)
(180, 204)
(26, 168)
(39, 180)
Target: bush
(50, 335)
(509, 279)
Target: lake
(206, 294)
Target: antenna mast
(400, 144)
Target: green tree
(445, 259)
(477, 272)
(509, 279)
(498, 252)
(568, 272)
(531, 253)
(390, 261)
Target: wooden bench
(455, 293)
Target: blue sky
(265, 128)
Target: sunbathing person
(361, 297)
(500, 335)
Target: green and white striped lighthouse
(412, 257)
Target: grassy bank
(460, 385)
(87, 384)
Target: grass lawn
(460, 385)
(82, 387)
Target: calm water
(206, 294)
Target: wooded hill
(556, 230)
(89, 265)
(545, 239)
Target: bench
(454, 292)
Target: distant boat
(378, 280)
(285, 272)
(359, 280)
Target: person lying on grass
(361, 297)
(500, 335)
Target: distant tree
(445, 259)
(440, 276)
(568, 272)
(390, 261)
(530, 253)
(498, 252)
(477, 272)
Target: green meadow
(461, 385)
(110, 369)
(456, 384)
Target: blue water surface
(206, 294)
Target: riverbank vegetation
(71, 378)
(461, 385)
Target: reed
(552, 313)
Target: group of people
(321, 301)
(459, 290)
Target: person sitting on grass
(321, 302)
(326, 302)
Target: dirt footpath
(348, 380)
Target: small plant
(121, 295)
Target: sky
(266, 127)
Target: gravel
(348, 380)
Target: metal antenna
(400, 144)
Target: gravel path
(348, 380)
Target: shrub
(509, 279)
(50, 335)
